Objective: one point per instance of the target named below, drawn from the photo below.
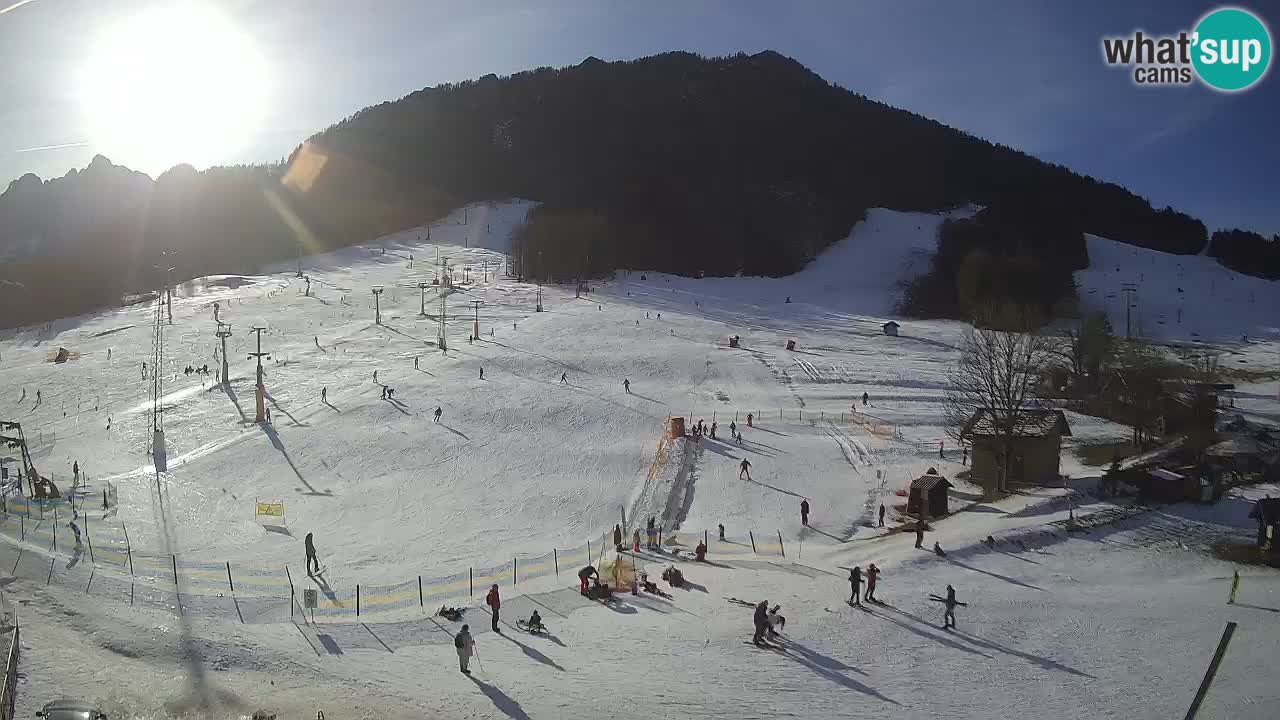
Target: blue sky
(1026, 73)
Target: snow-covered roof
(925, 483)
(1169, 475)
(1032, 423)
(1238, 445)
(894, 324)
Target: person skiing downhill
(733, 428)
(714, 425)
(761, 621)
(495, 603)
(881, 514)
(309, 545)
(855, 584)
(375, 376)
(744, 469)
(481, 373)
(873, 572)
(804, 512)
(438, 413)
(324, 394)
(466, 647)
(564, 378)
(865, 397)
(749, 417)
(626, 385)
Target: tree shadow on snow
(828, 668)
(396, 404)
(500, 700)
(1005, 578)
(1035, 659)
(274, 437)
(940, 639)
(455, 432)
(531, 652)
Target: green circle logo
(1231, 49)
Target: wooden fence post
(555, 556)
(780, 545)
(292, 595)
(175, 569)
(357, 599)
(89, 537)
(471, 582)
(513, 571)
(230, 583)
(128, 547)
(420, 601)
(753, 541)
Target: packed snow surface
(548, 451)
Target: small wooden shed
(891, 328)
(928, 495)
(675, 427)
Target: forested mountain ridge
(743, 164)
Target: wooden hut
(928, 495)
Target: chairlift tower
(224, 332)
(440, 333)
(422, 298)
(476, 332)
(377, 304)
(259, 391)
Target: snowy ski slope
(521, 463)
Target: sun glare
(174, 84)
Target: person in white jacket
(466, 647)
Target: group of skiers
(857, 595)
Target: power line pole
(259, 390)
(377, 305)
(440, 334)
(224, 332)
(539, 308)
(476, 333)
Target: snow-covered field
(1120, 622)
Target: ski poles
(478, 663)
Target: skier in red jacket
(494, 602)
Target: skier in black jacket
(762, 621)
(855, 584)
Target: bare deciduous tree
(998, 371)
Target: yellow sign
(275, 509)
